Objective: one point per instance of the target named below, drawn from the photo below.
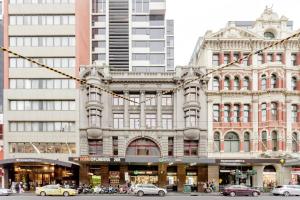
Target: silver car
(144, 189)
(5, 192)
(287, 190)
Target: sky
(194, 17)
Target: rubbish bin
(187, 188)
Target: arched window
(236, 83)
(263, 82)
(226, 83)
(274, 111)
(269, 35)
(216, 84)
(143, 147)
(294, 83)
(295, 145)
(232, 142)
(246, 142)
(273, 81)
(264, 112)
(274, 141)
(264, 139)
(246, 84)
(216, 142)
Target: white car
(286, 190)
(5, 192)
(144, 189)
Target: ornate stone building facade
(253, 106)
(161, 141)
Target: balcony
(94, 133)
(157, 7)
(192, 133)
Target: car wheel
(161, 193)
(286, 194)
(232, 194)
(43, 194)
(66, 194)
(255, 194)
(140, 193)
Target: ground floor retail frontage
(33, 172)
(172, 174)
(175, 174)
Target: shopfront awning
(36, 160)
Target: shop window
(269, 177)
(273, 81)
(216, 142)
(274, 141)
(227, 83)
(263, 82)
(274, 111)
(95, 147)
(216, 112)
(246, 142)
(216, 84)
(236, 83)
(191, 147)
(171, 146)
(232, 142)
(115, 146)
(295, 146)
(294, 83)
(143, 147)
(264, 139)
(246, 83)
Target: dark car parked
(240, 190)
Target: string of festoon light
(84, 82)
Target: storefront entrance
(140, 174)
(230, 175)
(269, 177)
(33, 174)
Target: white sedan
(5, 192)
(144, 189)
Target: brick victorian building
(253, 106)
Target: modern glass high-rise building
(131, 35)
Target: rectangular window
(294, 59)
(167, 121)
(226, 58)
(216, 112)
(134, 120)
(157, 59)
(135, 100)
(269, 58)
(215, 59)
(279, 57)
(95, 147)
(227, 113)
(118, 101)
(246, 113)
(294, 113)
(157, 46)
(191, 147)
(150, 120)
(260, 59)
(158, 33)
(264, 112)
(41, 105)
(170, 146)
(167, 100)
(118, 121)
(115, 146)
(150, 99)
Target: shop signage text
(97, 159)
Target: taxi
(55, 190)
